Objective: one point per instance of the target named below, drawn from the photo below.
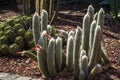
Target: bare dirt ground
(69, 17)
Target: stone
(3, 74)
(9, 77)
(24, 78)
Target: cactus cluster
(49, 55)
(89, 51)
(14, 35)
(49, 50)
(85, 52)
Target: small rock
(3, 74)
(10, 77)
(24, 78)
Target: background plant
(51, 6)
(15, 35)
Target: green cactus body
(3, 40)
(76, 52)
(58, 54)
(42, 64)
(95, 16)
(95, 48)
(30, 55)
(21, 32)
(85, 33)
(100, 18)
(8, 28)
(36, 27)
(92, 32)
(69, 53)
(28, 35)
(97, 69)
(49, 29)
(2, 27)
(17, 27)
(28, 23)
(43, 40)
(51, 58)
(84, 65)
(44, 20)
(10, 35)
(4, 49)
(1, 33)
(81, 75)
(31, 44)
(14, 48)
(90, 11)
(20, 41)
(10, 22)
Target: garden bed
(66, 20)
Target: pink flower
(48, 36)
(37, 47)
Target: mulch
(26, 67)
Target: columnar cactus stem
(84, 65)
(44, 20)
(26, 7)
(36, 27)
(81, 75)
(69, 53)
(42, 64)
(92, 32)
(85, 33)
(51, 58)
(71, 33)
(51, 8)
(90, 11)
(49, 29)
(38, 2)
(100, 18)
(28, 54)
(76, 52)
(95, 16)
(100, 21)
(43, 40)
(95, 48)
(82, 52)
(58, 54)
(97, 69)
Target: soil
(70, 17)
